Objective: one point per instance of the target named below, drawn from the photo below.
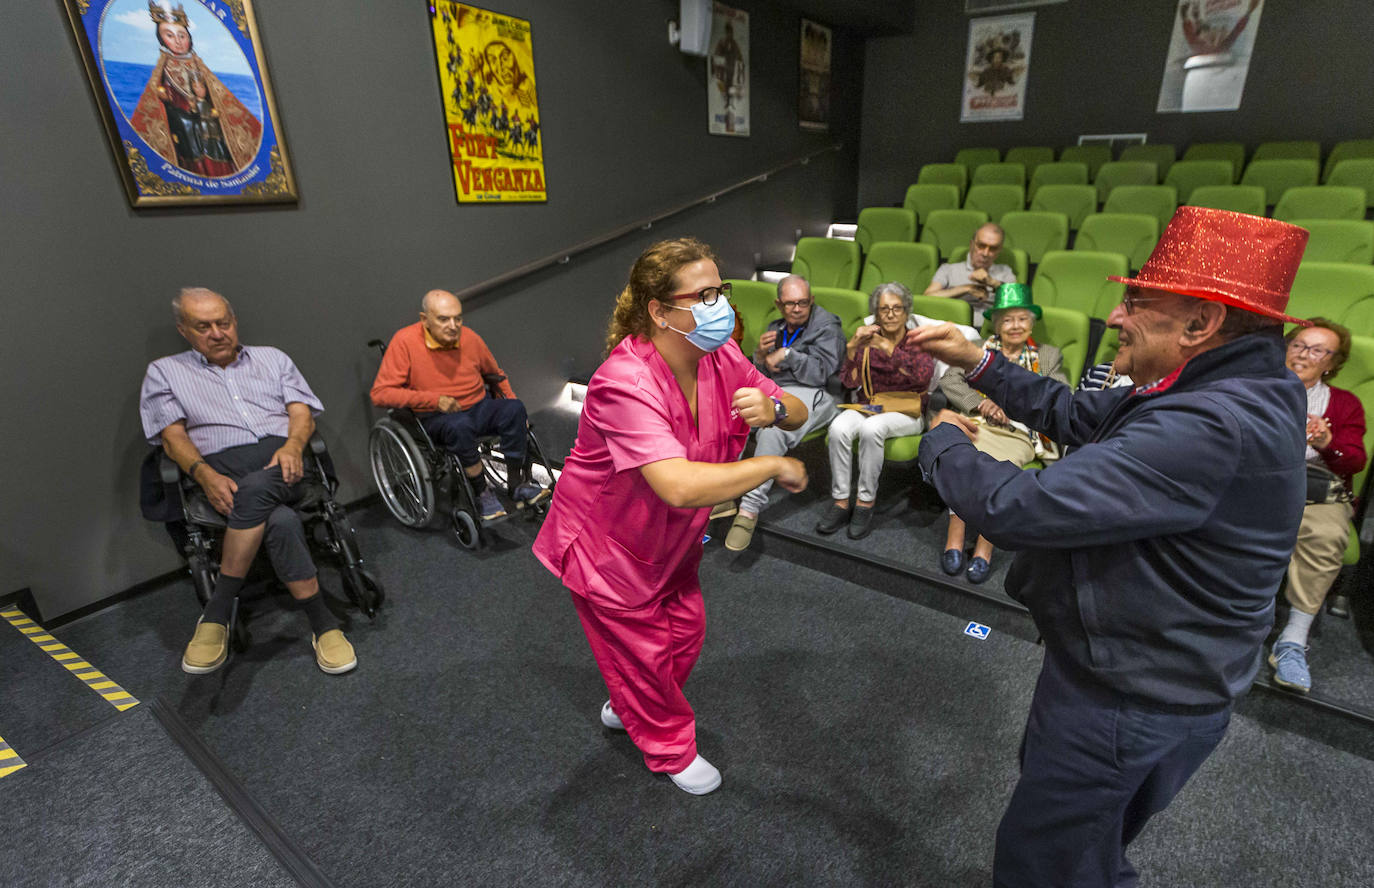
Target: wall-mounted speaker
(694, 27)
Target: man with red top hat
(1151, 553)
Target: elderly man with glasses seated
(800, 351)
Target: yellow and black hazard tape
(95, 679)
(9, 759)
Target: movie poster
(813, 111)
(727, 72)
(486, 73)
(999, 53)
(1209, 55)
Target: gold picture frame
(186, 100)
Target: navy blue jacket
(1153, 551)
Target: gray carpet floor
(864, 739)
(119, 804)
(909, 531)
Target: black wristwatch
(779, 411)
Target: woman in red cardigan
(1335, 452)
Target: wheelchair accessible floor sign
(977, 630)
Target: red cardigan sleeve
(1345, 455)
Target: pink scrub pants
(645, 656)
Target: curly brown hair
(1342, 352)
(651, 277)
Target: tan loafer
(723, 510)
(741, 533)
(208, 650)
(333, 653)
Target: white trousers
(872, 431)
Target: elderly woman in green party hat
(1013, 315)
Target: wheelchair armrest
(317, 444)
(169, 471)
(493, 381)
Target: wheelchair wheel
(401, 473)
(465, 529)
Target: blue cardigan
(1153, 551)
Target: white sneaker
(610, 719)
(698, 778)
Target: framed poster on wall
(1209, 55)
(491, 109)
(813, 110)
(995, 71)
(186, 100)
(727, 72)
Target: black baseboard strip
(282, 846)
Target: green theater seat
(884, 225)
(910, 264)
(827, 262)
(1236, 198)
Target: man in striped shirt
(236, 419)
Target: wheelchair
(327, 530)
(411, 472)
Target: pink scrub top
(608, 536)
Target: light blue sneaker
(1289, 660)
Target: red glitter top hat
(1234, 258)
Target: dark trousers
(1094, 770)
(264, 497)
(458, 432)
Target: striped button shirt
(223, 406)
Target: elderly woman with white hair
(890, 378)
(1013, 317)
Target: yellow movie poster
(486, 72)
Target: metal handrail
(562, 257)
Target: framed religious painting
(186, 100)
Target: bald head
(986, 244)
(442, 314)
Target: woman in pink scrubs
(665, 418)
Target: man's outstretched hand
(948, 344)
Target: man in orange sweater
(435, 368)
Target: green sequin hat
(1015, 296)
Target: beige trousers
(1322, 539)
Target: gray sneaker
(1289, 660)
(490, 506)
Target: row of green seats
(1163, 155)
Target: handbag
(906, 403)
(1325, 486)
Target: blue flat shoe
(952, 561)
(978, 570)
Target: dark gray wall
(1096, 68)
(87, 280)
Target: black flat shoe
(833, 519)
(978, 570)
(860, 523)
(952, 561)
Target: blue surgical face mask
(715, 324)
